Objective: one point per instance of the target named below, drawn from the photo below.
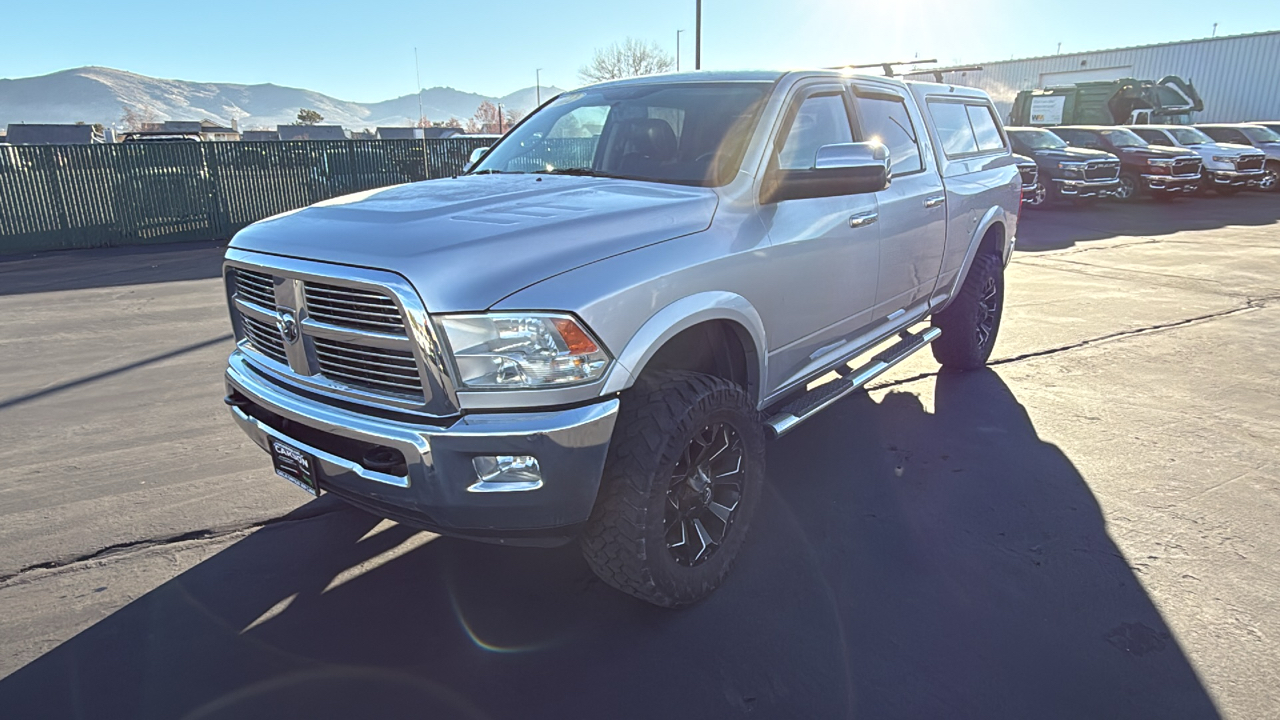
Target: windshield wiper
(582, 172)
(487, 171)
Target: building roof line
(970, 66)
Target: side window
(820, 120)
(887, 121)
(1155, 137)
(984, 127)
(954, 130)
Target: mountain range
(100, 95)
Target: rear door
(912, 209)
(823, 251)
(977, 169)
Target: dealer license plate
(294, 465)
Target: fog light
(506, 473)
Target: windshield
(1258, 134)
(1189, 136)
(686, 133)
(1123, 138)
(1036, 139)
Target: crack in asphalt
(1250, 305)
(201, 535)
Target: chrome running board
(821, 397)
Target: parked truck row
(1099, 161)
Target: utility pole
(417, 72)
(697, 43)
(678, 50)
(501, 129)
(538, 82)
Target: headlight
(1071, 169)
(522, 350)
(1160, 162)
(1224, 159)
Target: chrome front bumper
(438, 488)
(1086, 188)
(1172, 183)
(1236, 177)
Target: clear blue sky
(363, 51)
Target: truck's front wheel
(685, 471)
(970, 323)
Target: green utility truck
(1169, 101)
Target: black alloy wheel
(704, 494)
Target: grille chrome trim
(352, 308)
(1101, 170)
(399, 367)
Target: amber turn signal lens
(578, 342)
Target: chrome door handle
(935, 201)
(861, 219)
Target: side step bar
(819, 398)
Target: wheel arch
(661, 342)
(991, 236)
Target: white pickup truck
(592, 333)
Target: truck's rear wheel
(685, 470)
(971, 322)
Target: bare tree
(135, 118)
(423, 122)
(629, 58)
(307, 116)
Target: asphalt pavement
(1085, 530)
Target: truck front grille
(1250, 163)
(1029, 175)
(1187, 166)
(349, 307)
(1102, 170)
(351, 337)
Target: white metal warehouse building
(1237, 76)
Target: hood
(465, 243)
(1227, 149)
(1156, 151)
(1072, 154)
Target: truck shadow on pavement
(1059, 227)
(906, 564)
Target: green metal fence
(79, 196)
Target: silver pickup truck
(592, 333)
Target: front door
(823, 252)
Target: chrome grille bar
(379, 370)
(264, 338)
(257, 288)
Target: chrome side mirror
(841, 169)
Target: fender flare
(682, 315)
(995, 214)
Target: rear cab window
(966, 128)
